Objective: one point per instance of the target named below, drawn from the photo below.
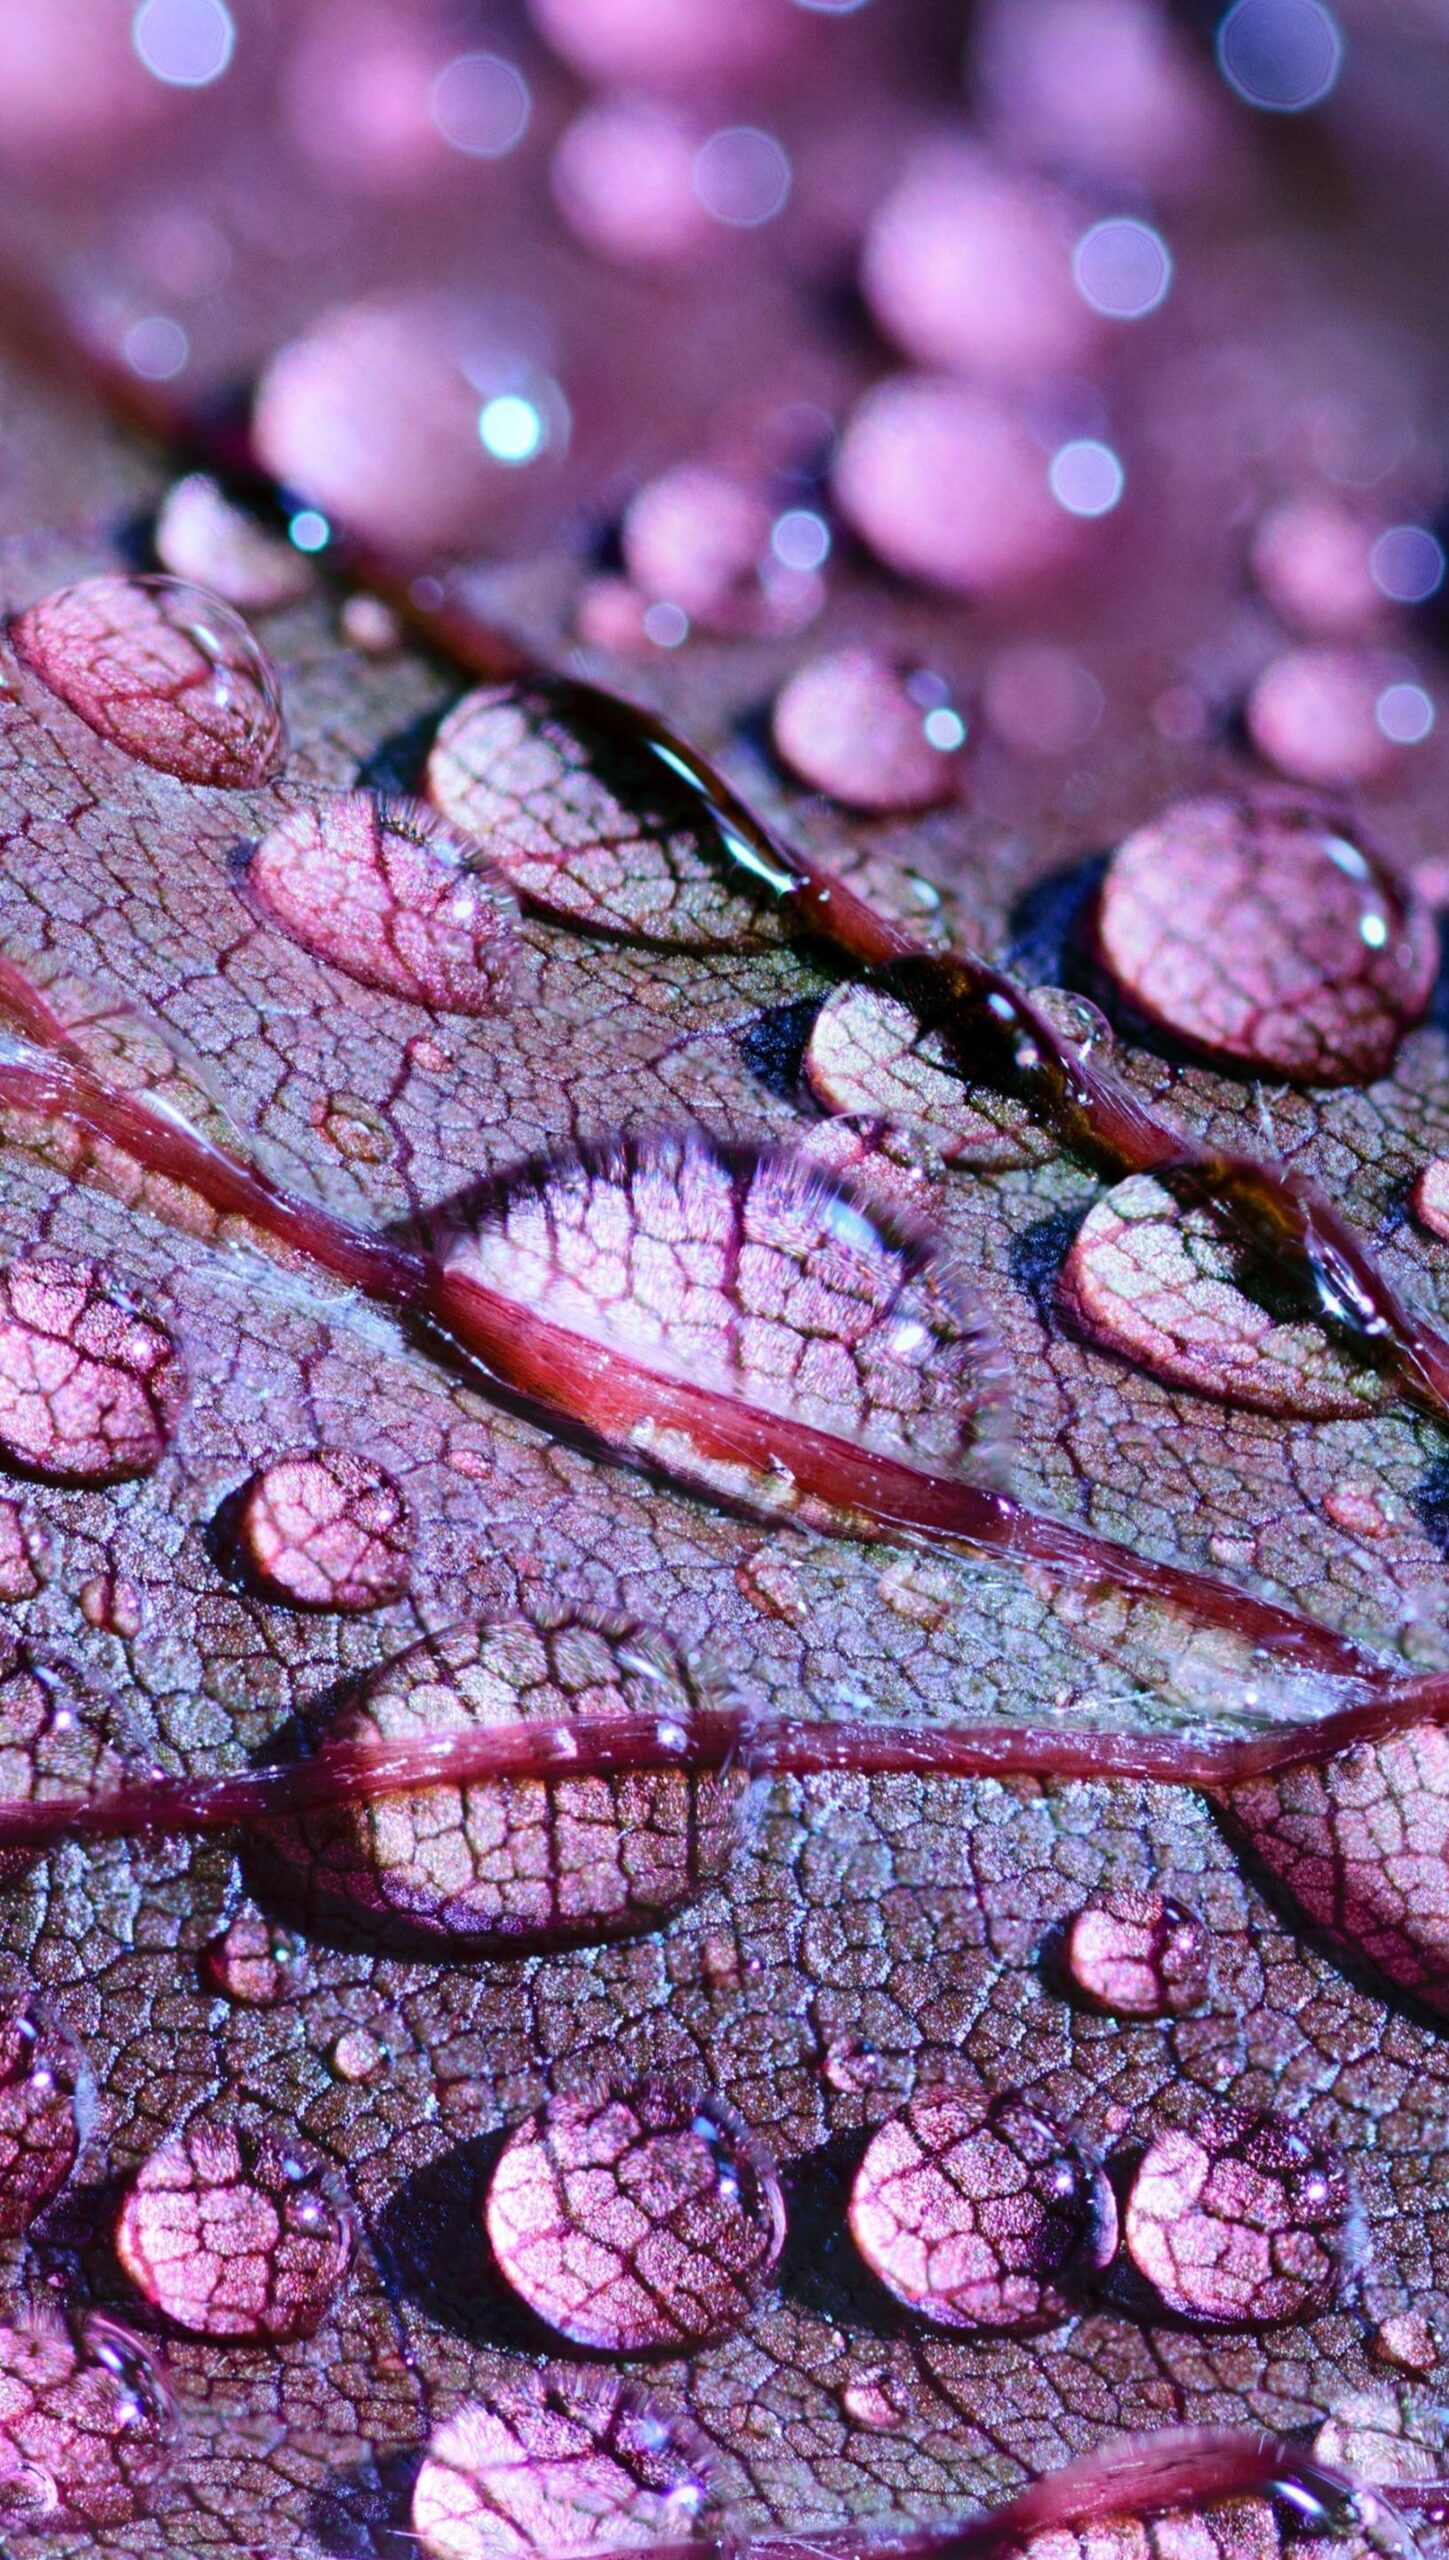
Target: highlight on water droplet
(852, 724)
(88, 2427)
(386, 890)
(91, 1387)
(233, 2231)
(1238, 2219)
(43, 2091)
(978, 2212)
(513, 1862)
(562, 2464)
(1136, 1954)
(162, 669)
(325, 1529)
(636, 2217)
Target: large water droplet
(162, 669)
(968, 265)
(1257, 932)
(1158, 1280)
(386, 891)
(561, 2466)
(868, 1052)
(850, 724)
(90, 1386)
(1238, 2219)
(325, 1529)
(570, 797)
(980, 2213)
(87, 2425)
(765, 1325)
(1136, 1954)
(41, 2076)
(232, 2233)
(636, 2218)
(255, 1962)
(513, 1862)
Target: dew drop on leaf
(561, 2465)
(387, 892)
(878, 2402)
(87, 2424)
(1156, 1280)
(255, 1962)
(639, 2218)
(325, 1529)
(1258, 933)
(1405, 2342)
(21, 1555)
(849, 724)
(1313, 714)
(202, 537)
(773, 1299)
(162, 669)
(697, 537)
(1136, 1954)
(517, 1862)
(980, 2213)
(946, 483)
(90, 1385)
(1430, 1198)
(867, 1052)
(111, 1604)
(231, 2232)
(1238, 2219)
(41, 2079)
(585, 820)
(968, 265)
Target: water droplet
(878, 2402)
(1239, 2219)
(946, 484)
(41, 2076)
(112, 1605)
(670, 47)
(848, 724)
(747, 1294)
(699, 539)
(1136, 1954)
(1431, 1198)
(1077, 1019)
(868, 1052)
(356, 2056)
(1314, 713)
(87, 2425)
(851, 2063)
(576, 806)
(325, 1529)
(90, 1385)
(1405, 2342)
(162, 669)
(967, 265)
(1158, 1281)
(980, 2213)
(1256, 931)
(231, 2232)
(513, 1862)
(202, 537)
(21, 1556)
(562, 2465)
(387, 892)
(370, 625)
(1313, 558)
(636, 2218)
(255, 1962)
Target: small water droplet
(562, 2465)
(947, 484)
(641, 2217)
(90, 1386)
(325, 1529)
(1314, 713)
(1406, 2342)
(1239, 2219)
(22, 1555)
(879, 2402)
(231, 2232)
(848, 724)
(112, 1604)
(41, 2081)
(162, 669)
(255, 1962)
(967, 266)
(370, 625)
(1136, 1954)
(356, 2056)
(980, 2213)
(387, 892)
(851, 2063)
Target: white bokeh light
(800, 539)
(1281, 55)
(1405, 713)
(156, 348)
(742, 176)
(1122, 267)
(1407, 563)
(1086, 477)
(481, 104)
(512, 428)
(185, 43)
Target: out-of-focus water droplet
(370, 625)
(699, 538)
(967, 265)
(1315, 714)
(1136, 1954)
(562, 2466)
(1238, 2220)
(623, 178)
(42, 2084)
(203, 538)
(1312, 556)
(980, 2213)
(946, 484)
(641, 2217)
(255, 1962)
(385, 890)
(848, 724)
(232, 2232)
(1431, 1197)
(1258, 931)
(666, 47)
(87, 2424)
(325, 1529)
(163, 670)
(90, 1385)
(513, 1862)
